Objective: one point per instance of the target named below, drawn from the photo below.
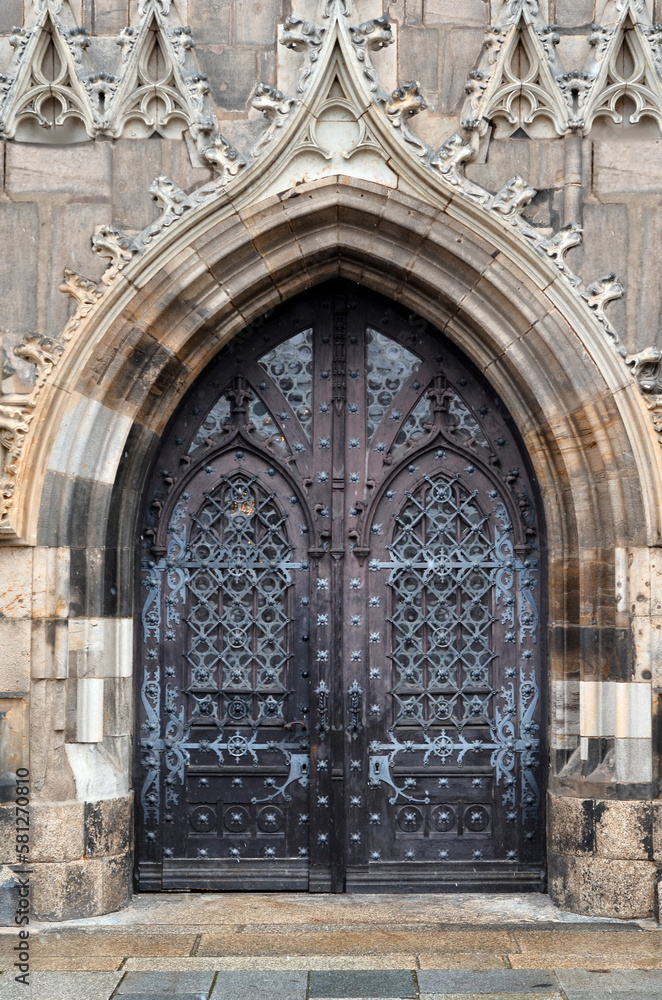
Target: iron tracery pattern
(237, 576)
(446, 572)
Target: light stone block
(15, 654)
(90, 710)
(90, 441)
(49, 657)
(639, 581)
(565, 714)
(255, 22)
(612, 708)
(633, 710)
(634, 760)
(50, 582)
(18, 225)
(82, 169)
(101, 647)
(100, 770)
(15, 582)
(14, 741)
(597, 708)
(455, 12)
(57, 831)
(647, 634)
(627, 168)
(571, 13)
(621, 578)
(656, 580)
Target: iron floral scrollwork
(322, 692)
(355, 693)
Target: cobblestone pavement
(305, 947)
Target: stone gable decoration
(60, 83)
(520, 82)
(340, 121)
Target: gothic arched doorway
(340, 618)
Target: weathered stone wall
(65, 621)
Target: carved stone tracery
(544, 98)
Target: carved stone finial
(404, 103)
(172, 201)
(224, 158)
(276, 108)
(85, 292)
(513, 197)
(272, 102)
(368, 37)
(303, 36)
(598, 295)
(43, 352)
(558, 246)
(115, 245)
(515, 8)
(344, 7)
(450, 160)
(163, 6)
(646, 368)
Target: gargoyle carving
(513, 198)
(85, 292)
(43, 352)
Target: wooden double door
(338, 618)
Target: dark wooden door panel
(339, 634)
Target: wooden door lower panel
(454, 876)
(222, 875)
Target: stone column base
(81, 856)
(605, 857)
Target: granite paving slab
(593, 942)
(166, 982)
(168, 995)
(258, 984)
(581, 984)
(492, 996)
(103, 942)
(594, 960)
(399, 983)
(188, 910)
(370, 942)
(517, 981)
(275, 962)
(60, 986)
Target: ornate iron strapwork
(339, 621)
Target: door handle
(296, 722)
